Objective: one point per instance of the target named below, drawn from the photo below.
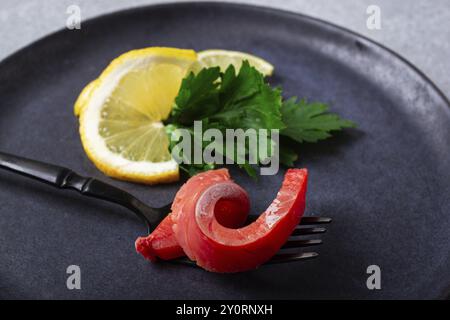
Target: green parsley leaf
(310, 122)
(249, 170)
(229, 101)
(287, 156)
(197, 98)
(244, 100)
(186, 163)
(247, 101)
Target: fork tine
(291, 257)
(301, 243)
(314, 220)
(278, 258)
(307, 231)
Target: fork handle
(64, 178)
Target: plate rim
(296, 15)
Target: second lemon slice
(121, 114)
(224, 58)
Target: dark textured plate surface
(386, 185)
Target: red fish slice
(161, 243)
(220, 249)
(217, 248)
(230, 212)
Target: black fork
(64, 178)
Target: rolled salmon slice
(221, 249)
(205, 213)
(230, 212)
(161, 243)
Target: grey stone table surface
(419, 30)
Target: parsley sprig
(244, 100)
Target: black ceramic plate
(386, 185)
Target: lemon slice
(121, 114)
(84, 97)
(223, 58)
